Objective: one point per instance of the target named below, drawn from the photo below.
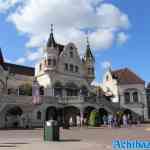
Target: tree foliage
(25, 89)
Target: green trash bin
(51, 131)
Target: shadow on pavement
(15, 143)
(7, 146)
(70, 140)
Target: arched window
(49, 61)
(41, 90)
(71, 89)
(71, 54)
(58, 89)
(66, 67)
(127, 97)
(76, 69)
(39, 115)
(84, 91)
(135, 97)
(107, 78)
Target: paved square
(74, 139)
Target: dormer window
(71, 54)
(71, 48)
(107, 78)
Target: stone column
(131, 96)
(63, 92)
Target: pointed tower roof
(51, 41)
(1, 57)
(88, 53)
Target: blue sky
(133, 52)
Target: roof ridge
(126, 75)
(19, 65)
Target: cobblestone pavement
(74, 139)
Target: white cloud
(6, 4)
(95, 83)
(112, 18)
(122, 38)
(8, 60)
(106, 64)
(102, 39)
(34, 56)
(21, 61)
(33, 18)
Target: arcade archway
(102, 112)
(87, 111)
(70, 112)
(12, 117)
(51, 113)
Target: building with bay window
(62, 72)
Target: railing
(15, 99)
(47, 99)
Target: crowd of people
(110, 121)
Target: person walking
(70, 122)
(125, 121)
(110, 120)
(115, 121)
(105, 120)
(85, 121)
(78, 121)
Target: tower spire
(88, 53)
(52, 28)
(87, 39)
(89, 62)
(51, 41)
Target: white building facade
(63, 89)
(127, 89)
(62, 72)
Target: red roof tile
(126, 76)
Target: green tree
(92, 119)
(25, 89)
